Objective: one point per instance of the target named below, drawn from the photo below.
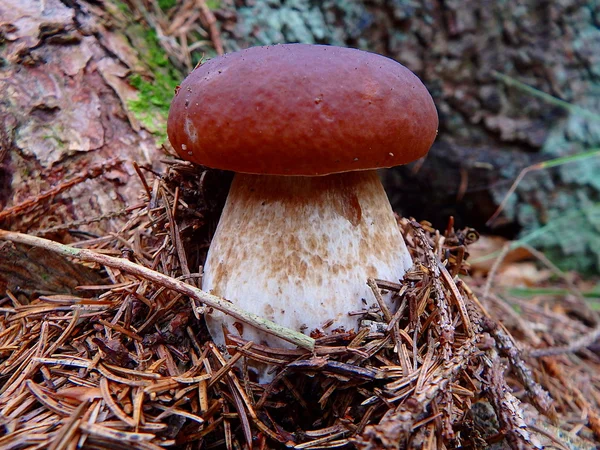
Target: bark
(489, 128)
(64, 103)
(67, 134)
(67, 88)
(26, 270)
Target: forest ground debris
(128, 363)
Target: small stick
(92, 172)
(494, 270)
(211, 22)
(140, 174)
(458, 298)
(387, 315)
(124, 265)
(435, 266)
(507, 347)
(579, 344)
(508, 408)
(377, 293)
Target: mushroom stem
(299, 250)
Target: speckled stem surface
(299, 250)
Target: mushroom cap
(298, 109)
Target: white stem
(299, 250)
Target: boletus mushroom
(307, 221)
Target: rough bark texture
(29, 270)
(68, 136)
(69, 71)
(488, 130)
(64, 104)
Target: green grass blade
(510, 81)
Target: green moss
(155, 91)
(155, 55)
(166, 4)
(122, 7)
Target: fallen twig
(213, 301)
(584, 341)
(507, 348)
(92, 172)
(211, 23)
(508, 409)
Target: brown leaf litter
(128, 363)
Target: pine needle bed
(129, 363)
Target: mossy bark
(74, 86)
(489, 130)
(65, 97)
(68, 111)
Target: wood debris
(129, 363)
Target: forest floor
(102, 337)
(467, 359)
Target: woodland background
(85, 89)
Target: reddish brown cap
(299, 109)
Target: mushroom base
(299, 250)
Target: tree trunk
(67, 129)
(74, 86)
(490, 127)
(66, 115)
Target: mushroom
(307, 221)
